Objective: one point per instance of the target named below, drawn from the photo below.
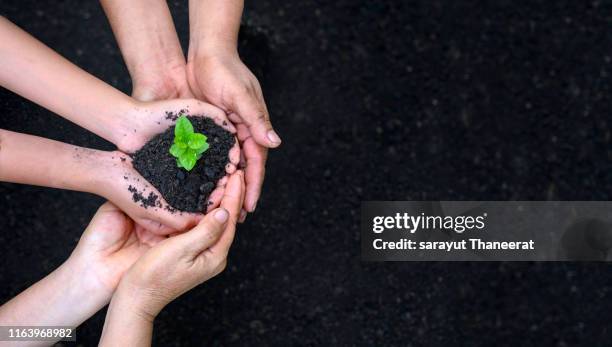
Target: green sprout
(188, 146)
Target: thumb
(205, 234)
(254, 114)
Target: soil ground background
(385, 100)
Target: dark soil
(374, 100)
(184, 190)
(138, 196)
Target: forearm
(60, 299)
(125, 324)
(34, 71)
(214, 26)
(38, 161)
(146, 36)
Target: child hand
(181, 262)
(129, 191)
(144, 120)
(86, 281)
(110, 244)
(140, 124)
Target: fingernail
(253, 206)
(243, 215)
(221, 215)
(273, 137)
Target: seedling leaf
(188, 146)
(188, 160)
(197, 141)
(202, 149)
(176, 150)
(183, 128)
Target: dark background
(385, 100)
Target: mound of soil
(185, 190)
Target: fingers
(234, 158)
(190, 107)
(243, 215)
(232, 201)
(205, 234)
(214, 199)
(108, 223)
(255, 158)
(109, 216)
(145, 204)
(253, 113)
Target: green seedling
(188, 146)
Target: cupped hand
(147, 119)
(131, 191)
(109, 246)
(179, 263)
(224, 81)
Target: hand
(181, 262)
(226, 82)
(120, 183)
(109, 246)
(145, 120)
(85, 282)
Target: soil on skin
(185, 190)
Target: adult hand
(179, 263)
(85, 282)
(224, 81)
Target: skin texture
(214, 71)
(33, 70)
(86, 281)
(119, 235)
(83, 169)
(84, 99)
(149, 270)
(171, 268)
(150, 47)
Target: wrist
(77, 168)
(212, 48)
(97, 171)
(147, 39)
(81, 291)
(122, 120)
(125, 323)
(158, 70)
(139, 303)
(213, 27)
